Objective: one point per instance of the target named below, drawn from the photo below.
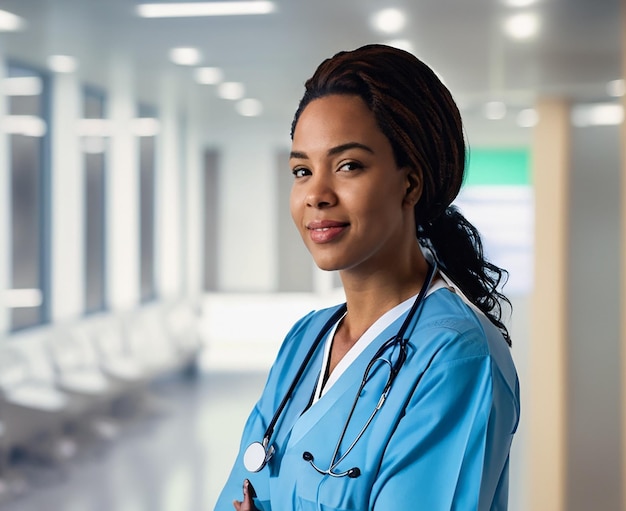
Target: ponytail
(458, 248)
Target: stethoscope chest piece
(256, 456)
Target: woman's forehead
(336, 116)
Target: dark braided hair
(417, 114)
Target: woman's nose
(320, 193)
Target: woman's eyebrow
(350, 145)
(298, 155)
(334, 150)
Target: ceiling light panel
(249, 107)
(599, 114)
(389, 21)
(231, 90)
(522, 26)
(495, 110)
(9, 22)
(519, 3)
(185, 56)
(208, 75)
(192, 9)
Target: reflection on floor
(175, 460)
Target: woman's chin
(327, 265)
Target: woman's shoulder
(450, 329)
(445, 310)
(316, 316)
(314, 321)
(306, 329)
(452, 335)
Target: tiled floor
(176, 460)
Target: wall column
(122, 200)
(169, 179)
(547, 415)
(5, 209)
(68, 248)
(192, 181)
(623, 268)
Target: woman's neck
(369, 296)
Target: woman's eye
(300, 172)
(350, 166)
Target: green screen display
(510, 167)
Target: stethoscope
(258, 454)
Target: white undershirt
(363, 342)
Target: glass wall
(27, 120)
(147, 182)
(95, 146)
(209, 231)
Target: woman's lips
(325, 231)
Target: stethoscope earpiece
(352, 473)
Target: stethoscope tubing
(305, 362)
(394, 368)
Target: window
(94, 146)
(26, 124)
(147, 149)
(210, 232)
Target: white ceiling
(576, 53)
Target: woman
(406, 397)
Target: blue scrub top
(441, 440)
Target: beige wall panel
(548, 375)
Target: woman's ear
(413, 187)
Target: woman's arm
(450, 450)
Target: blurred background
(149, 269)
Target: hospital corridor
(150, 268)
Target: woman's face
(349, 199)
